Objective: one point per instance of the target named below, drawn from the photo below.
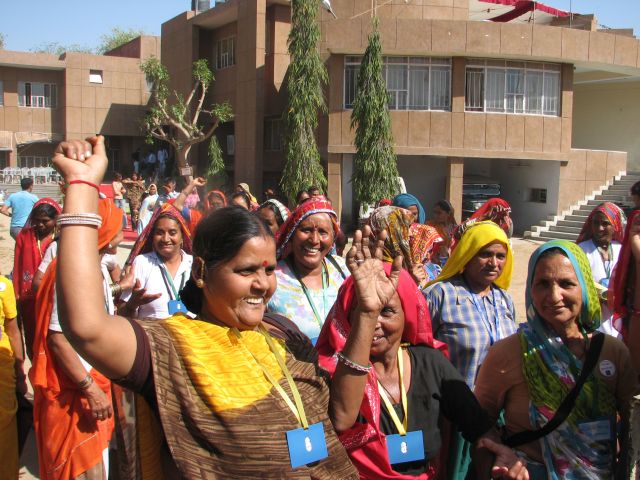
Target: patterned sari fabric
(397, 222)
(613, 213)
(365, 442)
(423, 240)
(496, 210)
(551, 370)
(283, 212)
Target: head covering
(550, 370)
(422, 240)
(621, 286)
(144, 243)
(309, 207)
(284, 211)
(207, 205)
(405, 200)
(245, 189)
(396, 221)
(383, 202)
(365, 442)
(473, 240)
(613, 213)
(495, 209)
(111, 221)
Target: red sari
(27, 257)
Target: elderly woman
(554, 357)
(234, 400)
(274, 213)
(601, 240)
(390, 383)
(471, 309)
(308, 275)
(161, 259)
(496, 210)
(411, 203)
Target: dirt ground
(29, 462)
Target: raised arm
(373, 292)
(186, 191)
(107, 342)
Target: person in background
(411, 203)
(426, 244)
(192, 214)
(147, 207)
(20, 204)
(167, 191)
(601, 240)
(274, 213)
(215, 200)
(635, 194)
(241, 199)
(301, 196)
(244, 188)
(314, 192)
(530, 374)
(135, 190)
(135, 157)
(471, 310)
(151, 160)
(308, 275)
(496, 210)
(445, 222)
(118, 196)
(12, 380)
(31, 245)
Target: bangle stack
(88, 219)
(86, 382)
(347, 362)
(116, 289)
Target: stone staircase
(568, 225)
(41, 190)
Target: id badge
(407, 448)
(176, 306)
(314, 340)
(600, 430)
(604, 282)
(306, 446)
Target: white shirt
(49, 254)
(146, 269)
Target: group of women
(254, 350)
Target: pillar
(334, 179)
(455, 177)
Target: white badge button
(607, 368)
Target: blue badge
(314, 340)
(604, 282)
(599, 430)
(407, 448)
(306, 446)
(176, 306)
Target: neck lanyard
(298, 407)
(39, 246)
(401, 426)
(481, 306)
(325, 281)
(168, 282)
(606, 265)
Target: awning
(27, 138)
(515, 11)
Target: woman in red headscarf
(390, 382)
(31, 244)
(72, 402)
(495, 209)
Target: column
(455, 177)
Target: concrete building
(45, 98)
(539, 101)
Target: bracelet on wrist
(86, 382)
(350, 364)
(116, 289)
(84, 182)
(87, 219)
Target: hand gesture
(99, 405)
(634, 238)
(198, 182)
(138, 298)
(81, 160)
(373, 288)
(507, 464)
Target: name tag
(306, 446)
(601, 430)
(176, 306)
(314, 340)
(407, 448)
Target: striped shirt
(468, 323)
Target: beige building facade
(542, 109)
(45, 98)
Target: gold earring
(200, 281)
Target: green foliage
(56, 48)
(375, 170)
(202, 73)
(215, 171)
(306, 77)
(116, 38)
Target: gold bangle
(86, 382)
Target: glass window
(474, 90)
(95, 76)
(273, 135)
(37, 95)
(225, 53)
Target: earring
(200, 281)
(110, 246)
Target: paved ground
(522, 250)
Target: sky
(33, 23)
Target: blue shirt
(469, 324)
(21, 204)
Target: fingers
(379, 249)
(74, 150)
(97, 143)
(352, 255)
(396, 267)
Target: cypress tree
(306, 77)
(375, 170)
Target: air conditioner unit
(231, 144)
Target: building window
(1, 93)
(538, 195)
(413, 83)
(225, 52)
(95, 76)
(273, 135)
(33, 161)
(513, 87)
(4, 159)
(37, 95)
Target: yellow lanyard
(401, 426)
(298, 407)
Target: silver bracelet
(347, 362)
(89, 219)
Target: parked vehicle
(475, 191)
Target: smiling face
(602, 230)
(167, 238)
(312, 241)
(486, 266)
(556, 292)
(389, 327)
(236, 293)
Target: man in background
(21, 204)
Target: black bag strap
(337, 265)
(568, 402)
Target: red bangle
(85, 182)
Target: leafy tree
(116, 38)
(56, 48)
(175, 119)
(375, 170)
(306, 77)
